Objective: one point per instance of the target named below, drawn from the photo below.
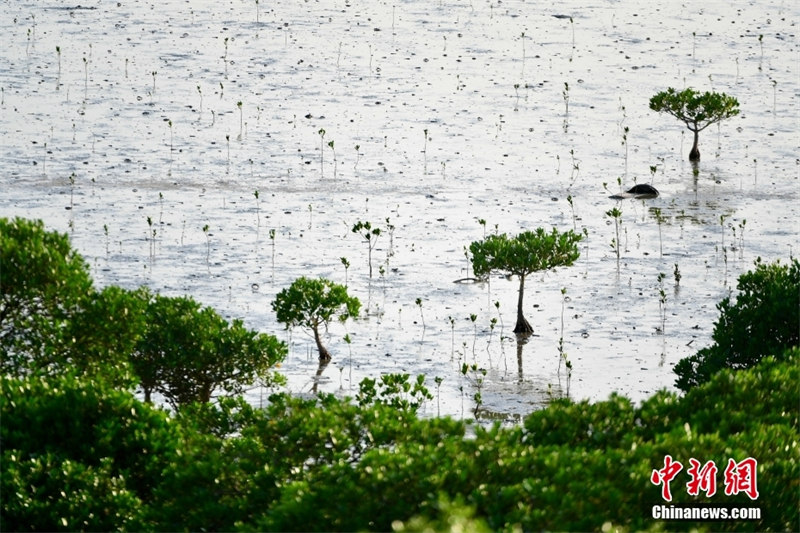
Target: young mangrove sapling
(370, 235)
(697, 110)
(528, 252)
(313, 303)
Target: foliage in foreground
(79, 455)
(53, 321)
(764, 320)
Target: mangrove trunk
(523, 327)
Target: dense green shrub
(313, 303)
(84, 447)
(43, 281)
(764, 320)
(188, 352)
(330, 464)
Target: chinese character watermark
(738, 477)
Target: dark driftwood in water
(640, 191)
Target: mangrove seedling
(438, 380)
(58, 78)
(85, 78)
(528, 252)
(313, 303)
(477, 381)
(390, 228)
(616, 214)
(71, 189)
(151, 242)
(473, 318)
(241, 119)
(169, 123)
(358, 156)
(660, 219)
(105, 231)
(228, 144)
(499, 317)
(697, 110)
(321, 133)
(662, 300)
(425, 152)
(418, 301)
(562, 356)
(258, 209)
(572, 208)
(625, 145)
(330, 144)
(370, 235)
(208, 245)
(452, 336)
(676, 273)
(346, 265)
(272, 242)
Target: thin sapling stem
(321, 133)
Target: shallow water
(460, 113)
